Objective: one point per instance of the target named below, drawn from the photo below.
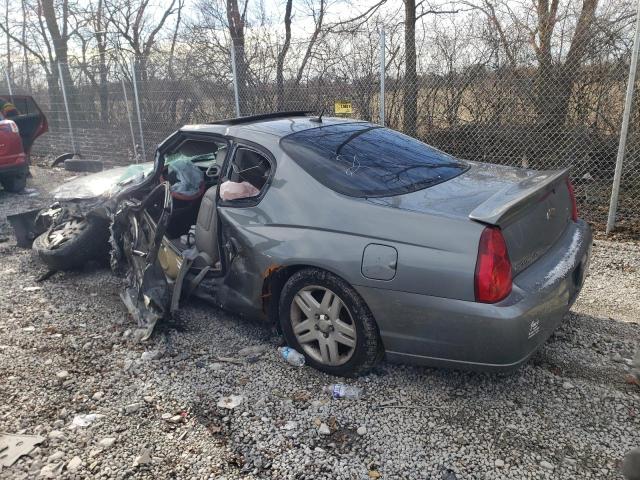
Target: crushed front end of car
(74, 229)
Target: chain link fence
(474, 105)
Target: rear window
(364, 160)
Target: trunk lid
(532, 208)
(31, 121)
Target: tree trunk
(410, 97)
(236, 21)
(103, 87)
(282, 54)
(55, 98)
(552, 93)
(554, 81)
(59, 40)
(24, 48)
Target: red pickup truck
(17, 135)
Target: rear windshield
(364, 160)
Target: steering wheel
(213, 171)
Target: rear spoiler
(504, 205)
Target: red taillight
(493, 268)
(574, 205)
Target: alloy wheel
(323, 325)
(64, 232)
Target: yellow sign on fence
(343, 107)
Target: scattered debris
(151, 355)
(568, 385)
(323, 429)
(62, 374)
(290, 425)
(230, 402)
(84, 420)
(107, 442)
(31, 289)
(340, 390)
(362, 430)
(13, 447)
(143, 459)
(292, 356)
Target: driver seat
(206, 234)
(205, 256)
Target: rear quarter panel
(301, 222)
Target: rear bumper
(455, 333)
(13, 164)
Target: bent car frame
(356, 241)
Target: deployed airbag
(185, 178)
(233, 190)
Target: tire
(79, 165)
(14, 183)
(353, 314)
(83, 240)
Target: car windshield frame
(364, 160)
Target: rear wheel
(73, 243)
(324, 318)
(14, 183)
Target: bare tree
(236, 22)
(282, 54)
(556, 70)
(139, 25)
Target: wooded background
(538, 83)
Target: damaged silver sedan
(354, 240)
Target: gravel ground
(65, 350)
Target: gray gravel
(567, 414)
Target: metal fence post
(135, 94)
(235, 79)
(615, 189)
(66, 107)
(133, 135)
(6, 74)
(383, 67)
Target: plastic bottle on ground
(291, 356)
(340, 390)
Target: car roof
(276, 126)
